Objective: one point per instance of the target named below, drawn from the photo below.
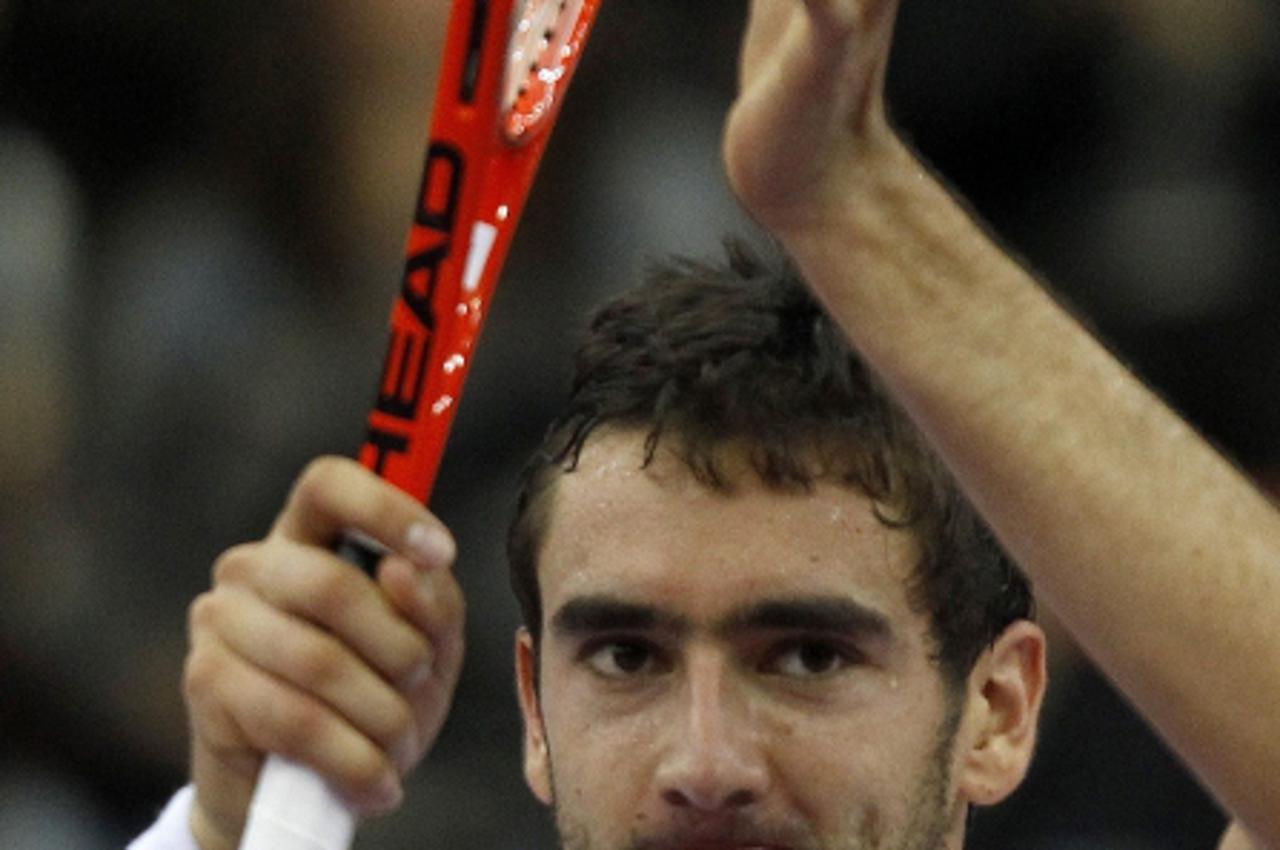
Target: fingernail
(389, 793)
(418, 677)
(429, 546)
(405, 752)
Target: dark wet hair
(707, 356)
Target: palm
(811, 82)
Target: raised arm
(1158, 555)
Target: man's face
(731, 670)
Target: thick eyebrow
(827, 614)
(587, 615)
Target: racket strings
(546, 40)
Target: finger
(434, 604)
(321, 588)
(766, 24)
(334, 495)
(864, 27)
(774, 22)
(272, 716)
(314, 662)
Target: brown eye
(807, 659)
(620, 659)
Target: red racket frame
(481, 161)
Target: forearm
(1155, 551)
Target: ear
(537, 762)
(998, 732)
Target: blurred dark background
(202, 207)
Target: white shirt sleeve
(172, 830)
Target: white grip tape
(293, 808)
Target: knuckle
(365, 770)
(416, 655)
(332, 595)
(200, 673)
(397, 723)
(201, 613)
(319, 663)
(303, 725)
(232, 565)
(318, 479)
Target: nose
(713, 763)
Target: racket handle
(294, 808)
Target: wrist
(866, 201)
(868, 180)
(902, 262)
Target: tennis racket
(506, 67)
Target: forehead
(657, 535)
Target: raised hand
(296, 652)
(810, 109)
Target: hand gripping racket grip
(293, 807)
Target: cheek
(590, 734)
(826, 763)
(860, 765)
(601, 772)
